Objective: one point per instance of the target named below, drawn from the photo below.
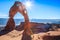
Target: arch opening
(18, 18)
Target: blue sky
(41, 9)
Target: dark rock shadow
(51, 38)
(3, 32)
(20, 27)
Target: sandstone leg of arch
(10, 24)
(27, 25)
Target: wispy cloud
(3, 15)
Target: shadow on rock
(20, 27)
(3, 32)
(51, 38)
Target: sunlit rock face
(18, 7)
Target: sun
(28, 4)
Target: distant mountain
(3, 21)
(56, 21)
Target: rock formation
(35, 27)
(18, 7)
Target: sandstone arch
(18, 7)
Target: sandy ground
(13, 35)
(17, 35)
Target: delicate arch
(18, 7)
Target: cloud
(3, 15)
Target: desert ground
(17, 35)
